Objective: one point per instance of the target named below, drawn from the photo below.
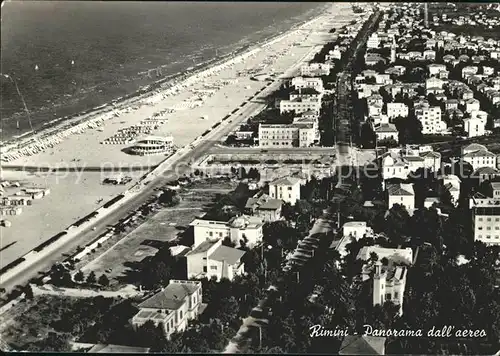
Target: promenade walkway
(258, 317)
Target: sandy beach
(76, 194)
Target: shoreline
(68, 201)
(58, 126)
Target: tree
(79, 276)
(91, 278)
(229, 309)
(60, 276)
(103, 280)
(397, 222)
(409, 129)
(169, 198)
(231, 140)
(288, 211)
(57, 342)
(28, 292)
(228, 242)
(152, 336)
(159, 276)
(368, 136)
(388, 142)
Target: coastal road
(181, 166)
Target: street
(257, 317)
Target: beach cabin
(11, 211)
(15, 200)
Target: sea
(70, 56)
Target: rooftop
(400, 189)
(201, 248)
(430, 154)
(288, 181)
(245, 221)
(263, 203)
(475, 147)
(386, 128)
(227, 254)
(480, 153)
(172, 297)
(355, 224)
(486, 170)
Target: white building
(300, 105)
(435, 68)
(172, 307)
(236, 229)
(386, 132)
(486, 173)
(389, 285)
(382, 78)
(286, 189)
(401, 194)
(474, 127)
(356, 229)
(282, 135)
(495, 190)
(397, 109)
(486, 220)
(309, 120)
(264, 207)
(301, 83)
(374, 109)
(315, 69)
(334, 54)
(398, 163)
(481, 158)
(472, 105)
(430, 117)
(434, 83)
(488, 70)
(212, 259)
(468, 71)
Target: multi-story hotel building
(282, 135)
(430, 117)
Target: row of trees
(92, 279)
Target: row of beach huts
(37, 145)
(145, 127)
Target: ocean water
(69, 56)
